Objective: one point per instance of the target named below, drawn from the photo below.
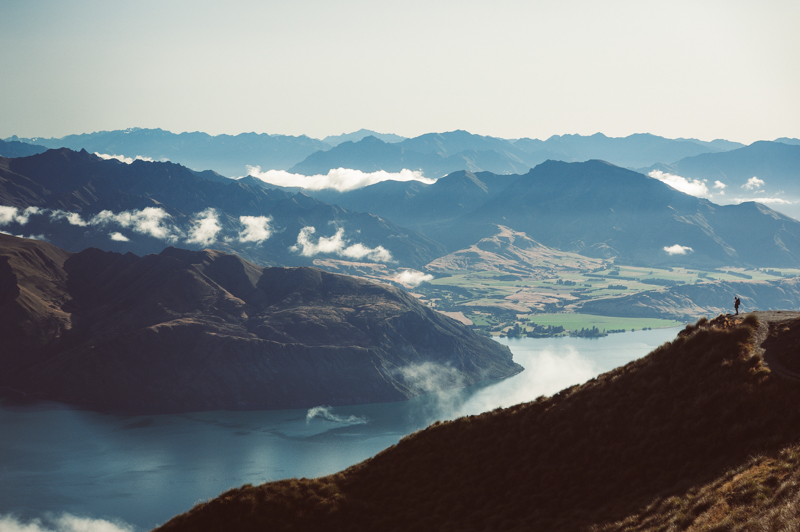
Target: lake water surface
(138, 471)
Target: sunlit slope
(660, 427)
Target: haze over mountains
(76, 199)
(435, 154)
(594, 208)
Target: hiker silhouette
(736, 303)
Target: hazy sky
(705, 69)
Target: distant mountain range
(201, 330)
(774, 165)
(435, 154)
(15, 148)
(75, 200)
(226, 154)
(593, 208)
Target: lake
(68, 469)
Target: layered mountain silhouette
(197, 330)
(593, 208)
(227, 154)
(435, 154)
(776, 165)
(72, 189)
(701, 434)
(15, 148)
(355, 136)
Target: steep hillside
(198, 330)
(80, 200)
(645, 438)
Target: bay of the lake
(59, 464)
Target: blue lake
(59, 464)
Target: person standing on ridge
(736, 303)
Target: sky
(702, 69)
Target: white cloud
(341, 179)
(63, 523)
(752, 183)
(412, 278)
(13, 215)
(693, 187)
(678, 250)
(256, 228)
(72, 217)
(337, 244)
(118, 237)
(326, 413)
(149, 221)
(777, 201)
(205, 227)
(720, 186)
(123, 159)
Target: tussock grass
(697, 434)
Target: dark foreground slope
(199, 330)
(642, 436)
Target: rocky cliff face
(195, 330)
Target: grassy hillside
(665, 440)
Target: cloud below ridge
(677, 249)
(341, 179)
(693, 187)
(123, 159)
(412, 278)
(205, 228)
(337, 245)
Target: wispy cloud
(678, 250)
(9, 215)
(63, 523)
(123, 159)
(337, 245)
(326, 413)
(412, 278)
(753, 183)
(720, 186)
(205, 228)
(693, 187)
(341, 179)
(256, 228)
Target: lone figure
(736, 303)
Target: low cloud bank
(337, 245)
(204, 228)
(256, 228)
(63, 523)
(9, 215)
(693, 187)
(341, 179)
(412, 278)
(123, 159)
(678, 250)
(326, 413)
(776, 201)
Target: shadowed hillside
(645, 439)
(203, 330)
